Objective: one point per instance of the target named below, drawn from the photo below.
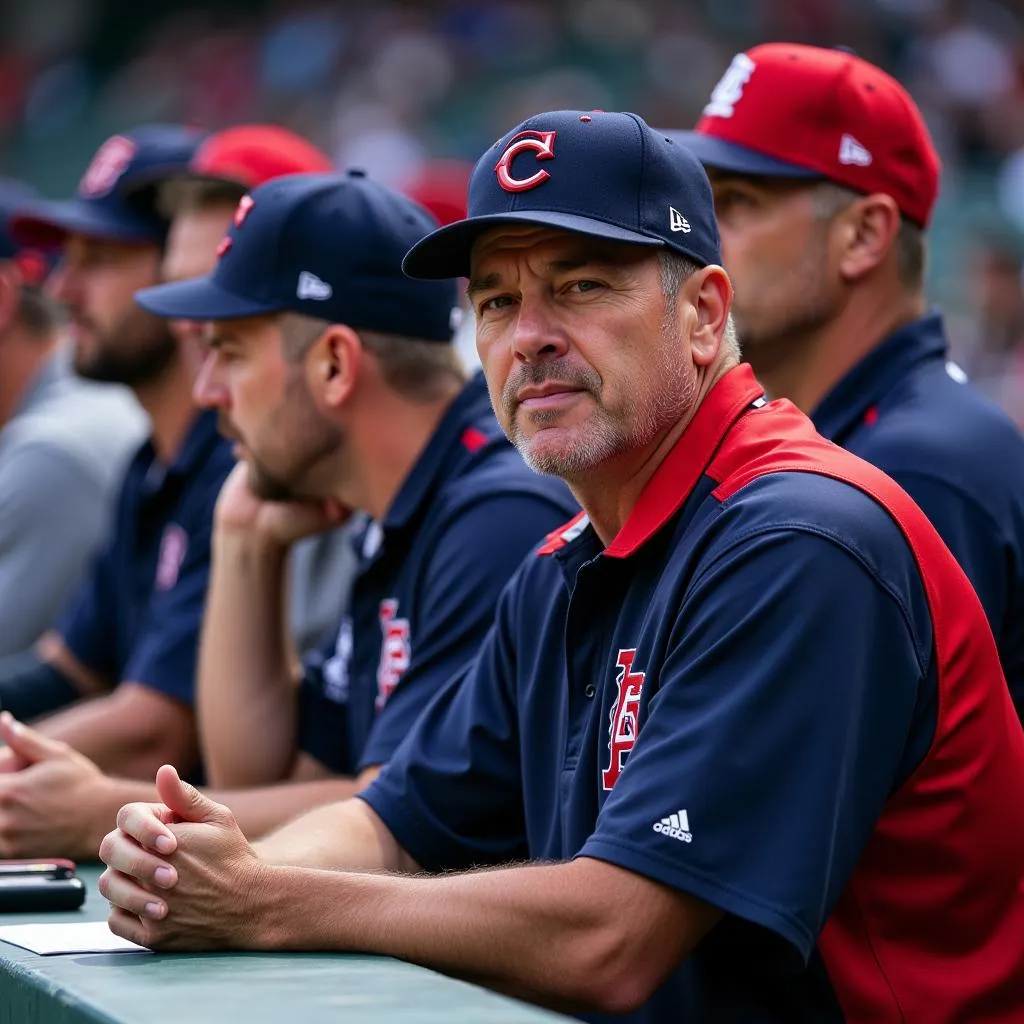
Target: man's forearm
(257, 811)
(246, 685)
(542, 933)
(129, 733)
(342, 836)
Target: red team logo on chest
(541, 143)
(395, 652)
(624, 717)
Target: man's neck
(384, 446)
(608, 493)
(168, 403)
(805, 370)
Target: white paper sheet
(79, 937)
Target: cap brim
(49, 223)
(199, 299)
(736, 159)
(445, 253)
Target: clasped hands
(180, 874)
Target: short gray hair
(675, 271)
(418, 370)
(911, 251)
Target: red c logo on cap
(542, 143)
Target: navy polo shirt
(137, 615)
(429, 578)
(774, 690)
(910, 411)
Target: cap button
(356, 172)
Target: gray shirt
(322, 570)
(62, 457)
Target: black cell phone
(28, 886)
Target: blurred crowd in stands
(393, 86)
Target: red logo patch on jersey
(107, 166)
(223, 246)
(541, 143)
(625, 715)
(245, 204)
(395, 650)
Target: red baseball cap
(250, 154)
(441, 186)
(787, 110)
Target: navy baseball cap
(326, 245)
(102, 207)
(607, 175)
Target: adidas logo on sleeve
(675, 825)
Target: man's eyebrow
(600, 259)
(482, 284)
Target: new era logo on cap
(606, 175)
(852, 152)
(787, 110)
(311, 287)
(677, 222)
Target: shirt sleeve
(53, 514)
(451, 794)
(471, 562)
(774, 737)
(164, 655)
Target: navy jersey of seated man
(137, 615)
(908, 410)
(429, 578)
(774, 690)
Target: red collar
(680, 470)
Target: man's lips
(542, 395)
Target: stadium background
(391, 86)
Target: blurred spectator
(64, 443)
(202, 200)
(996, 338)
(392, 86)
(124, 649)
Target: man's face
(775, 250)
(266, 406)
(585, 360)
(114, 340)
(192, 252)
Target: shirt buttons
(589, 691)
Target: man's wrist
(274, 903)
(249, 546)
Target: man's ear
(711, 295)
(333, 363)
(10, 293)
(865, 233)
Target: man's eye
(585, 286)
(727, 200)
(497, 302)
